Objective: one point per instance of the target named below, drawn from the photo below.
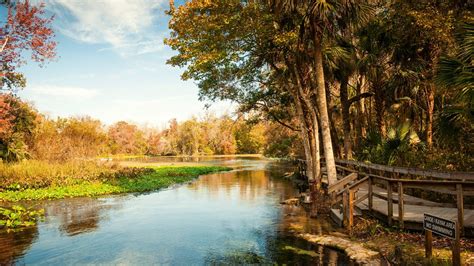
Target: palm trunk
(379, 111)
(317, 152)
(346, 123)
(429, 120)
(323, 113)
(362, 115)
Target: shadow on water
(14, 245)
(225, 218)
(79, 216)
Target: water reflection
(78, 216)
(199, 159)
(232, 217)
(13, 245)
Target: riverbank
(407, 248)
(371, 242)
(40, 180)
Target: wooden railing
(357, 174)
(457, 188)
(408, 172)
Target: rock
(354, 250)
(293, 201)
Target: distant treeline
(25, 133)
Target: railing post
(345, 207)
(370, 193)
(400, 205)
(460, 205)
(459, 226)
(428, 244)
(389, 203)
(351, 209)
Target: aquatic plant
(124, 181)
(18, 216)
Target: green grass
(159, 177)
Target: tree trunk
(306, 140)
(361, 104)
(346, 122)
(314, 137)
(362, 116)
(4, 44)
(429, 116)
(334, 135)
(380, 111)
(323, 113)
(317, 152)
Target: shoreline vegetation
(38, 180)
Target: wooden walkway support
(388, 193)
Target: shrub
(38, 174)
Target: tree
(25, 30)
(457, 72)
(240, 60)
(16, 134)
(68, 138)
(433, 23)
(153, 141)
(455, 77)
(250, 137)
(6, 116)
(126, 138)
(320, 21)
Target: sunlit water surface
(231, 217)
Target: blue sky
(111, 65)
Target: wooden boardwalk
(380, 191)
(413, 214)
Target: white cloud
(128, 26)
(63, 92)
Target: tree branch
(360, 97)
(4, 44)
(276, 118)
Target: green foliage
(282, 143)
(401, 142)
(250, 138)
(456, 75)
(93, 180)
(19, 216)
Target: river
(231, 217)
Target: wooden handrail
(357, 184)
(410, 171)
(460, 184)
(340, 184)
(454, 175)
(427, 182)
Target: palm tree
(321, 20)
(457, 73)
